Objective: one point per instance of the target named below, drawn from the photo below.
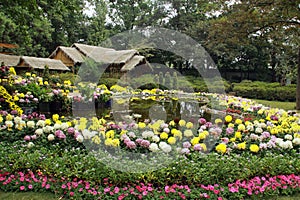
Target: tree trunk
(298, 83)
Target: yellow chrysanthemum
(174, 131)
(55, 117)
(116, 142)
(241, 127)
(172, 123)
(47, 121)
(218, 121)
(141, 125)
(195, 140)
(238, 135)
(172, 140)
(164, 135)
(189, 125)
(254, 148)
(188, 133)
(110, 134)
(203, 135)
(238, 121)
(181, 122)
(228, 118)
(241, 146)
(230, 125)
(221, 148)
(96, 139)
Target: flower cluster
(76, 188)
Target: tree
(265, 20)
(23, 24)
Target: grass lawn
(277, 104)
(27, 196)
(50, 196)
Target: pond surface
(126, 108)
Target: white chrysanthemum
(131, 134)
(39, 131)
(64, 126)
(286, 144)
(56, 126)
(288, 137)
(250, 128)
(30, 124)
(258, 130)
(48, 129)
(279, 140)
(40, 123)
(147, 134)
(51, 137)
(263, 125)
(88, 134)
(165, 147)
(153, 147)
(17, 120)
(79, 138)
(296, 141)
(155, 138)
(9, 124)
(30, 144)
(289, 144)
(167, 130)
(254, 136)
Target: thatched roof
(88, 49)
(134, 61)
(9, 60)
(70, 52)
(40, 63)
(117, 57)
(105, 55)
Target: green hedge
(263, 90)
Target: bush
(266, 91)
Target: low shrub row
(266, 91)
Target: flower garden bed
(246, 150)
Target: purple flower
(186, 145)
(71, 130)
(56, 92)
(139, 140)
(60, 134)
(33, 137)
(185, 151)
(131, 145)
(127, 140)
(202, 121)
(197, 147)
(27, 138)
(145, 143)
(229, 130)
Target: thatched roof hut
(40, 63)
(116, 61)
(9, 60)
(121, 60)
(68, 55)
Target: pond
(140, 107)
